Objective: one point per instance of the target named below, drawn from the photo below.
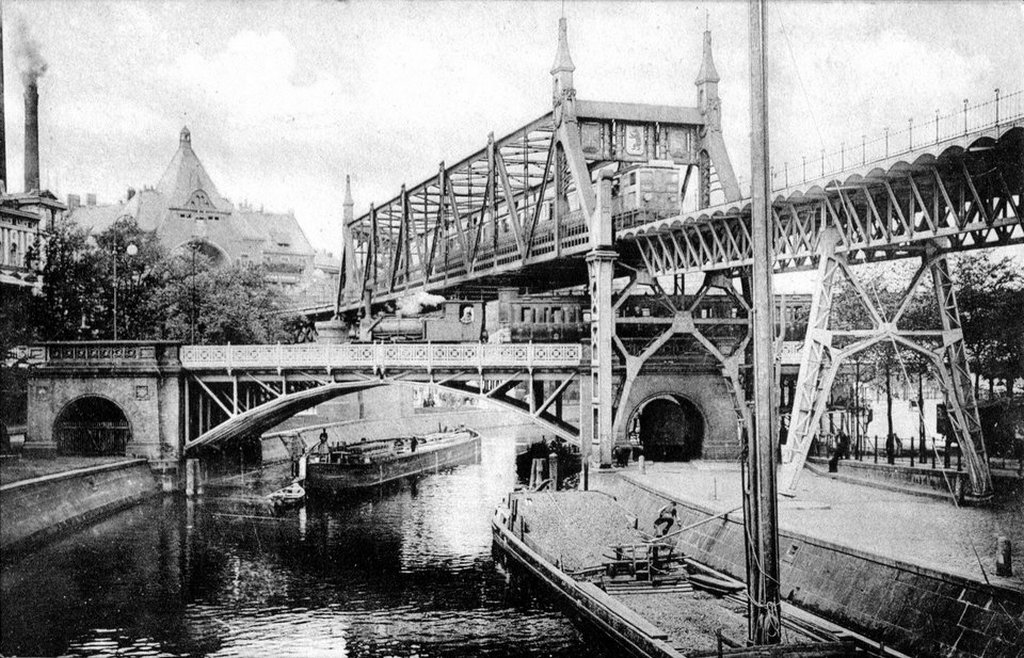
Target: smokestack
(3, 113)
(32, 65)
(31, 134)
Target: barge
(371, 463)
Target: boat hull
(336, 478)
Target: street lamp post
(131, 250)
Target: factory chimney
(32, 65)
(31, 134)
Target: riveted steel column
(601, 267)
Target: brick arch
(687, 449)
(708, 392)
(107, 433)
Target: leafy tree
(990, 294)
(132, 277)
(70, 288)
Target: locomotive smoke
(416, 304)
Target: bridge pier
(601, 269)
(108, 398)
(943, 347)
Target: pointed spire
(707, 72)
(185, 137)
(347, 205)
(563, 62)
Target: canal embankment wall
(36, 509)
(912, 608)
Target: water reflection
(406, 571)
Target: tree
(70, 287)
(990, 294)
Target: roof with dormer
(186, 205)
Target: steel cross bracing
(234, 391)
(970, 195)
(826, 349)
(523, 199)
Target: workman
(667, 517)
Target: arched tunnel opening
(670, 428)
(92, 427)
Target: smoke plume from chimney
(30, 61)
(31, 65)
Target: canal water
(404, 571)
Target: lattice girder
(942, 346)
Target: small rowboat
(293, 494)
(714, 585)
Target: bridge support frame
(943, 347)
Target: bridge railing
(382, 356)
(1002, 109)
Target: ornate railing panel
(382, 356)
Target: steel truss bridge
(533, 209)
(233, 390)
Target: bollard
(876, 448)
(538, 472)
(643, 464)
(553, 470)
(1004, 563)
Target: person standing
(296, 450)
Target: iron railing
(382, 356)
(1002, 110)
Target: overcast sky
(285, 98)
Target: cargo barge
(371, 463)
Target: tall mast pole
(762, 527)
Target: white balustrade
(382, 356)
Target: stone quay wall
(39, 508)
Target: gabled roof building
(185, 207)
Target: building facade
(185, 209)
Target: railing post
(804, 158)
(863, 149)
(910, 134)
(785, 168)
(965, 116)
(822, 162)
(997, 107)
(936, 126)
(887, 141)
(842, 156)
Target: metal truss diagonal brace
(962, 408)
(813, 383)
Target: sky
(284, 99)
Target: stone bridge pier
(107, 399)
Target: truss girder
(494, 211)
(971, 198)
(943, 346)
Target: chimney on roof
(131, 193)
(74, 201)
(90, 199)
(31, 134)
